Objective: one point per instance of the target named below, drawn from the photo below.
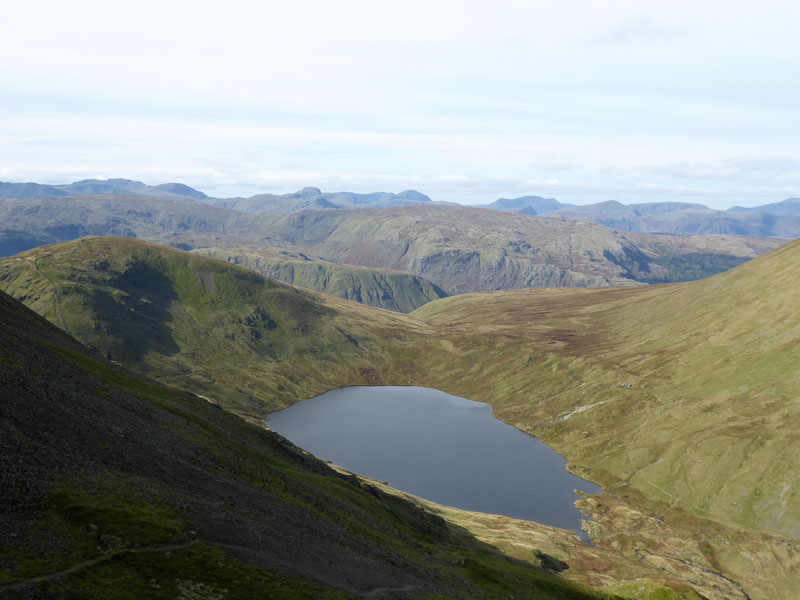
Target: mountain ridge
(459, 249)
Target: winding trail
(735, 584)
(94, 561)
(734, 590)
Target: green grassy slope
(219, 330)
(114, 487)
(383, 288)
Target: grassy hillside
(679, 399)
(383, 288)
(219, 330)
(114, 487)
(689, 375)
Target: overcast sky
(465, 101)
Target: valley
(399, 301)
(677, 399)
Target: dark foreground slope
(115, 487)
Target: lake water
(440, 447)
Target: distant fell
(459, 249)
(312, 198)
(789, 207)
(466, 249)
(682, 218)
(527, 205)
(29, 190)
(99, 187)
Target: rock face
(464, 249)
(383, 288)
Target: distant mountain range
(92, 187)
(459, 249)
(307, 199)
(780, 219)
(311, 198)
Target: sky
(464, 101)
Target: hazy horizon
(244, 192)
(466, 102)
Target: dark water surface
(437, 446)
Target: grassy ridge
(250, 343)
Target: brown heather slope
(702, 373)
(680, 399)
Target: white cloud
(468, 100)
(641, 29)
